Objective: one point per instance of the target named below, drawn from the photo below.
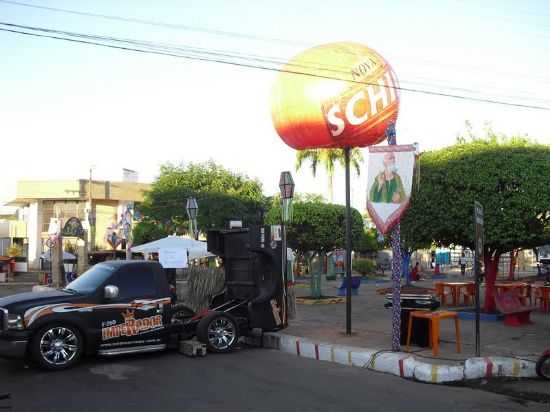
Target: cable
(237, 55)
(154, 23)
(190, 28)
(253, 66)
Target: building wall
(34, 231)
(51, 189)
(106, 215)
(67, 198)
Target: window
(92, 279)
(135, 282)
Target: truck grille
(3, 320)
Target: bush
(364, 266)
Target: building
(39, 202)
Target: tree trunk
(513, 262)
(330, 190)
(406, 273)
(491, 260)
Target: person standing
(415, 273)
(462, 263)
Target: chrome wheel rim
(545, 368)
(221, 333)
(59, 346)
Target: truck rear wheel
(543, 367)
(57, 346)
(219, 331)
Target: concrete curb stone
(402, 364)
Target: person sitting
(415, 273)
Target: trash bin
(420, 327)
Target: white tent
(196, 248)
(66, 256)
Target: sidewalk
(371, 331)
(22, 282)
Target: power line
(197, 29)
(191, 55)
(154, 23)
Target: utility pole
(91, 214)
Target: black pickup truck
(117, 307)
(122, 307)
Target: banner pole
(395, 239)
(348, 242)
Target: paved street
(247, 380)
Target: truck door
(135, 317)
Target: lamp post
(286, 186)
(91, 213)
(192, 210)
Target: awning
(196, 248)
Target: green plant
(14, 251)
(71, 248)
(364, 266)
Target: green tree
(506, 175)
(328, 159)
(317, 226)
(368, 242)
(147, 231)
(221, 195)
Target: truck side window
(135, 283)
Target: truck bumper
(13, 348)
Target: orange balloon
(334, 95)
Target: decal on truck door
(131, 326)
(33, 314)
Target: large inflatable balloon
(334, 95)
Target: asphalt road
(246, 380)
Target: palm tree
(328, 158)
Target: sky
(66, 106)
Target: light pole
(286, 186)
(192, 210)
(91, 212)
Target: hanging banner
(389, 183)
(173, 258)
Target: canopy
(196, 248)
(66, 256)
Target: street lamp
(192, 210)
(286, 186)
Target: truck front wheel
(219, 331)
(57, 347)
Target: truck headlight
(15, 321)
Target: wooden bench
(355, 283)
(515, 314)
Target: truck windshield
(90, 280)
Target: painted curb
(402, 364)
(497, 366)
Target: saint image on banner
(389, 183)
(388, 186)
